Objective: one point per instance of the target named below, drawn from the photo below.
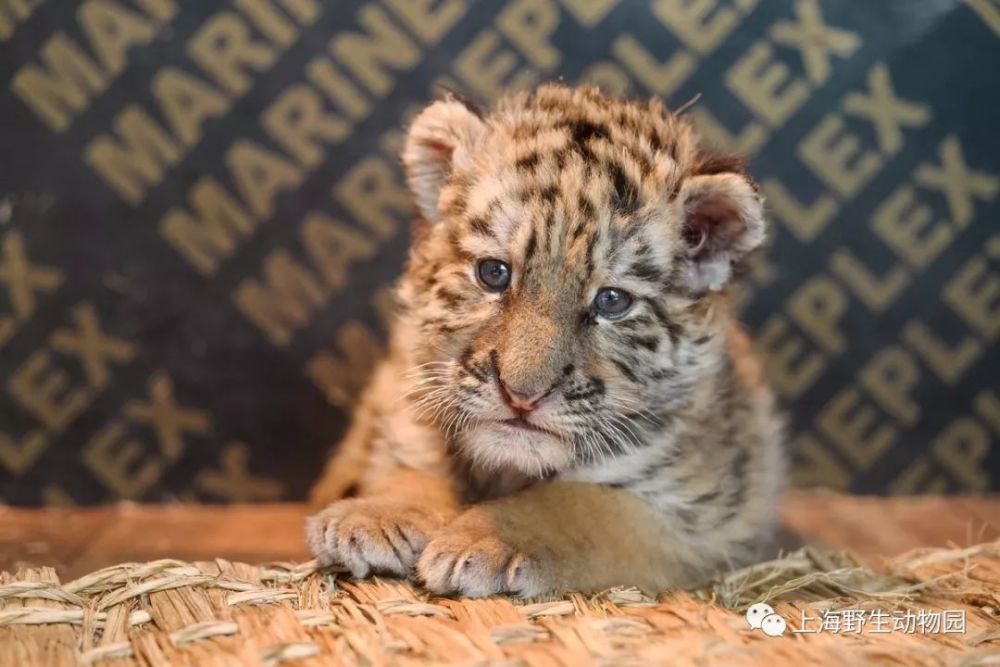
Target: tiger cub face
(562, 297)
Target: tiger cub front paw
(474, 557)
(373, 535)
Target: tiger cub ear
(722, 219)
(441, 139)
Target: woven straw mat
(219, 613)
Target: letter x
(958, 183)
(234, 480)
(91, 345)
(168, 419)
(22, 278)
(887, 113)
(814, 39)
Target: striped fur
(657, 421)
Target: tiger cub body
(567, 402)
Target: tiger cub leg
(385, 530)
(556, 537)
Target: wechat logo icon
(762, 617)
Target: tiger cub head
(563, 296)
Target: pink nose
(520, 402)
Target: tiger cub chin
(567, 403)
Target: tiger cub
(567, 403)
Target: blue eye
(493, 274)
(612, 302)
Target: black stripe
(529, 161)
(706, 497)
(582, 131)
(645, 271)
(625, 369)
(674, 330)
(648, 342)
(737, 474)
(625, 197)
(591, 246)
(481, 226)
(449, 297)
(529, 250)
(474, 370)
(549, 194)
(667, 460)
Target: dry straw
(220, 613)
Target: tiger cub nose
(521, 402)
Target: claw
(371, 535)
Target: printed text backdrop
(201, 210)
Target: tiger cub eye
(493, 274)
(612, 302)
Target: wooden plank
(876, 528)
(77, 541)
(245, 533)
(54, 537)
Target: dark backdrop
(201, 208)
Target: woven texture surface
(170, 612)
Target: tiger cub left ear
(442, 138)
(722, 219)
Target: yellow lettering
(962, 449)
(806, 222)
(93, 348)
(269, 21)
(341, 377)
(488, 69)
(333, 247)
(13, 12)
(960, 185)
(886, 112)
(61, 89)
(974, 294)
(337, 88)
(814, 40)
(701, 24)
(372, 192)
(876, 292)
(818, 307)
(660, 78)
(22, 278)
(298, 122)
(835, 155)
(766, 85)
(137, 158)
(429, 24)
(748, 141)
(855, 428)
(369, 55)
(44, 392)
(285, 303)
(948, 363)
(260, 175)
(187, 102)
(890, 378)
(17, 456)
(113, 30)
(529, 25)
(116, 462)
(907, 225)
(209, 235)
(788, 365)
(224, 49)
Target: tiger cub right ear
(442, 138)
(722, 219)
